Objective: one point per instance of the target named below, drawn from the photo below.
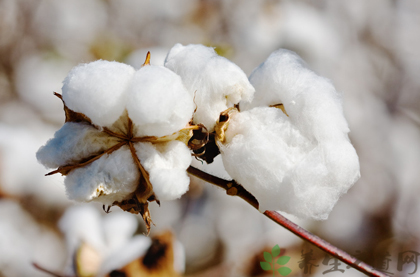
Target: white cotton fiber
(215, 82)
(311, 101)
(97, 89)
(166, 164)
(157, 101)
(72, 143)
(110, 178)
(300, 164)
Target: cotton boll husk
(97, 89)
(73, 143)
(215, 82)
(110, 178)
(166, 164)
(158, 103)
(284, 170)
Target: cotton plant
(130, 135)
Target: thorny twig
(233, 188)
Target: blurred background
(370, 51)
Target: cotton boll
(73, 143)
(110, 178)
(97, 89)
(158, 102)
(166, 165)
(283, 169)
(215, 82)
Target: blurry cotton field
(342, 159)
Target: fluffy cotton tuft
(166, 165)
(311, 101)
(158, 103)
(72, 143)
(97, 89)
(111, 178)
(215, 82)
(301, 163)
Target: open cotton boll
(158, 103)
(166, 165)
(111, 178)
(306, 183)
(311, 101)
(97, 89)
(73, 143)
(282, 168)
(215, 82)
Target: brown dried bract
(281, 107)
(72, 116)
(223, 123)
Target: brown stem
(231, 187)
(281, 220)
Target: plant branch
(233, 188)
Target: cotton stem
(233, 188)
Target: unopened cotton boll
(301, 163)
(158, 103)
(97, 89)
(215, 82)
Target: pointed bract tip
(147, 61)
